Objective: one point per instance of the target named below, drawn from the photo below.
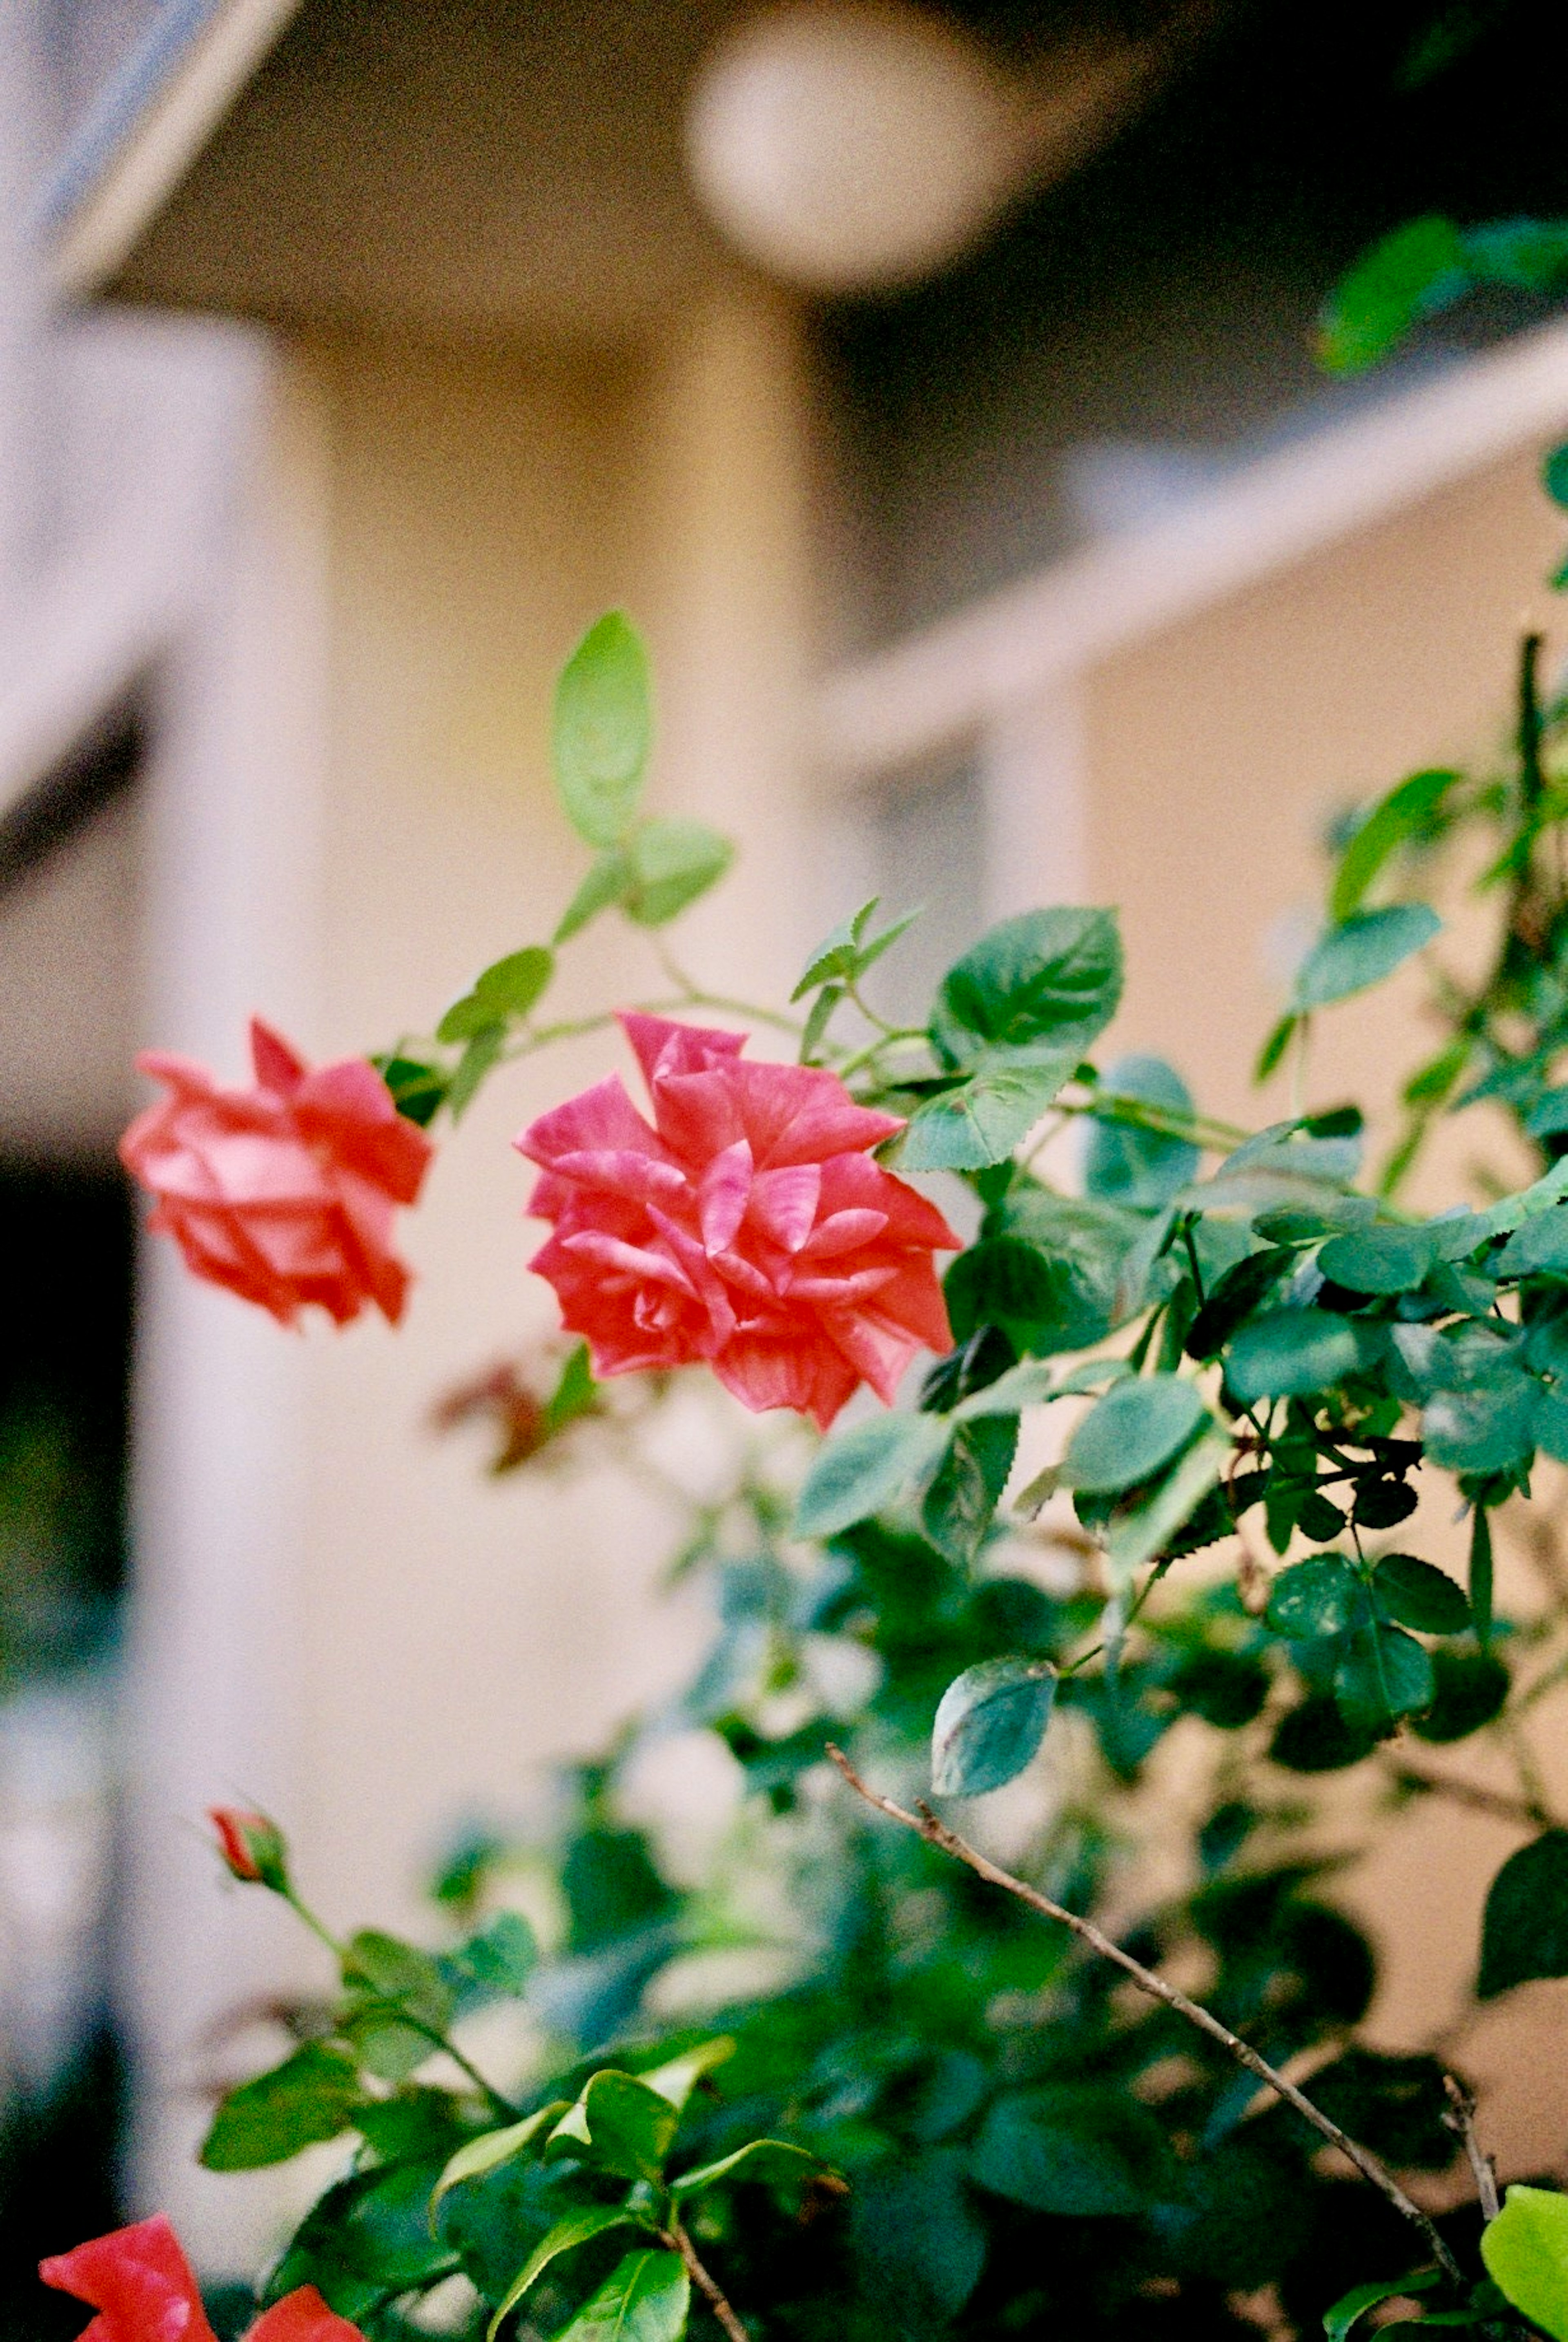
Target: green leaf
(603, 729)
(672, 862)
(1472, 1688)
(1280, 1038)
(1417, 1595)
(1538, 1246)
(759, 2158)
(1407, 275)
(1157, 1521)
(1028, 1384)
(1378, 1260)
(418, 1090)
(507, 989)
(982, 1119)
(844, 956)
(676, 2080)
(1405, 812)
(1361, 952)
(1555, 475)
(1048, 980)
(1481, 1573)
(861, 1471)
(645, 2300)
(620, 2123)
(1352, 2307)
(919, 2241)
(1076, 2153)
(1383, 1674)
(958, 1506)
(1291, 1351)
(313, 2094)
(399, 1975)
(1526, 2250)
(495, 1961)
(477, 1061)
(1487, 1430)
(1524, 1927)
(1142, 1168)
(609, 880)
(488, 2152)
(1322, 1595)
(574, 2229)
(1137, 1426)
(989, 1724)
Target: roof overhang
(147, 128)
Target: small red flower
(748, 1227)
(140, 2283)
(283, 1193)
(252, 1846)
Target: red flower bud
(252, 1848)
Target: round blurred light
(849, 146)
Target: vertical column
(22, 125)
(223, 1400)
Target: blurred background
(935, 385)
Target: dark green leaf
(1352, 2307)
(618, 2123)
(989, 1725)
(672, 862)
(1539, 1245)
(1280, 1038)
(1362, 951)
(1138, 1426)
(1156, 1524)
(1322, 1595)
(1417, 1595)
(1483, 1430)
(1524, 1930)
(1383, 1504)
(1555, 475)
(1382, 1674)
(1076, 2153)
(759, 2158)
(1318, 1519)
(1525, 2249)
(1407, 275)
(1315, 1738)
(1472, 1688)
(1142, 1168)
(1047, 980)
(603, 729)
(861, 1471)
(418, 1090)
(961, 1500)
(313, 2096)
(919, 2239)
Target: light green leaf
(1028, 1384)
(575, 2228)
(1129, 1166)
(645, 2300)
(676, 2080)
(609, 880)
(989, 1724)
(1361, 952)
(1139, 1424)
(313, 2096)
(1354, 2306)
(861, 1471)
(1140, 1535)
(1402, 814)
(491, 2149)
(479, 1059)
(984, 1119)
(1414, 270)
(602, 730)
(507, 989)
(1526, 2250)
(672, 862)
(756, 2160)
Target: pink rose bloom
(283, 1193)
(140, 2282)
(748, 1227)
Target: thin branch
(1461, 2119)
(1525, 1811)
(936, 1833)
(707, 2284)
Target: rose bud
(747, 1227)
(252, 1848)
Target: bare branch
(1461, 2119)
(1526, 1811)
(707, 2284)
(936, 1833)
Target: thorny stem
(707, 2284)
(936, 1833)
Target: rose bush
(944, 2114)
